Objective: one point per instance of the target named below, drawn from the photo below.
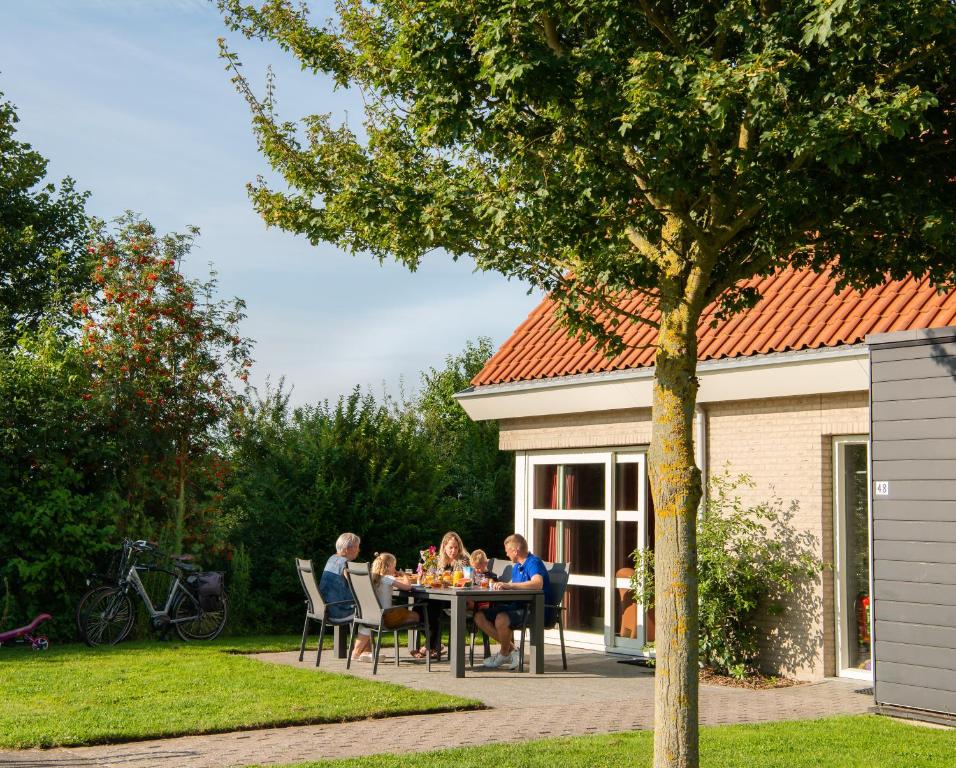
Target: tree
(656, 151)
(477, 497)
(164, 356)
(43, 236)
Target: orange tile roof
(799, 310)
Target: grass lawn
(842, 742)
(73, 695)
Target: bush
(749, 559)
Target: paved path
(596, 695)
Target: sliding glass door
(588, 509)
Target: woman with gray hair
(334, 588)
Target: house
(784, 397)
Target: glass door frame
(841, 599)
(610, 458)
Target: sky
(130, 98)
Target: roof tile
(799, 310)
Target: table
(457, 599)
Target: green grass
(73, 695)
(843, 742)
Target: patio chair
(369, 612)
(558, 574)
(316, 609)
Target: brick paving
(595, 695)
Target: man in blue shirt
(499, 619)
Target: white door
(852, 557)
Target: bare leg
(503, 633)
(363, 643)
(481, 621)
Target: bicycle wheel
(104, 616)
(193, 623)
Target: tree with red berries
(166, 358)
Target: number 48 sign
(881, 488)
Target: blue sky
(130, 98)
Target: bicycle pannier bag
(209, 588)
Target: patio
(595, 695)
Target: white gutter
(784, 374)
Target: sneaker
(511, 661)
(493, 662)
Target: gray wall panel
(914, 592)
(913, 674)
(919, 490)
(916, 368)
(929, 573)
(939, 448)
(914, 613)
(912, 389)
(922, 655)
(919, 634)
(927, 408)
(914, 530)
(915, 469)
(914, 429)
(888, 354)
(914, 551)
(895, 509)
(915, 697)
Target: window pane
(627, 479)
(583, 486)
(585, 609)
(583, 546)
(625, 542)
(544, 542)
(546, 486)
(856, 567)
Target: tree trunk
(180, 503)
(676, 486)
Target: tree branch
(551, 35)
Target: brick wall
(784, 445)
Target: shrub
(749, 559)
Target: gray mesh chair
(369, 612)
(316, 609)
(558, 576)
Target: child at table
(479, 565)
(384, 580)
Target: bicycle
(105, 614)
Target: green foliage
(43, 237)
(302, 476)
(561, 144)
(397, 474)
(477, 497)
(749, 560)
(163, 356)
(56, 491)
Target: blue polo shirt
(534, 566)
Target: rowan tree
(166, 359)
(605, 148)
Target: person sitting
(451, 553)
(384, 580)
(335, 589)
(500, 618)
(479, 564)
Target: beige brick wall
(785, 446)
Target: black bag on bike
(209, 589)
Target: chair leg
(352, 633)
(471, 648)
(396, 649)
(305, 632)
(318, 654)
(428, 645)
(564, 655)
(378, 647)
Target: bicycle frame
(133, 580)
